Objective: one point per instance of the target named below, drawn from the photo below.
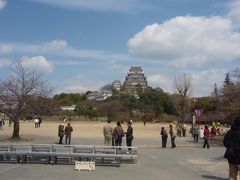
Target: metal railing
(67, 154)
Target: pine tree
(227, 82)
(215, 92)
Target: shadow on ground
(213, 177)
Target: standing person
(9, 122)
(184, 130)
(232, 143)
(173, 135)
(39, 121)
(144, 119)
(129, 135)
(107, 132)
(118, 133)
(164, 137)
(36, 122)
(195, 133)
(68, 131)
(179, 130)
(206, 137)
(1, 124)
(61, 133)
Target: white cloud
(234, 12)
(125, 6)
(161, 81)
(188, 41)
(113, 65)
(5, 49)
(203, 82)
(4, 62)
(157, 80)
(80, 84)
(38, 63)
(61, 48)
(3, 3)
(55, 45)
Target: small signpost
(84, 165)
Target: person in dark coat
(61, 133)
(195, 133)
(206, 137)
(172, 135)
(118, 133)
(68, 131)
(164, 137)
(129, 135)
(232, 143)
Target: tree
(15, 91)
(227, 82)
(231, 93)
(183, 102)
(215, 92)
(69, 99)
(41, 106)
(157, 100)
(85, 110)
(107, 87)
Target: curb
(182, 146)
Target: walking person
(164, 137)
(129, 135)
(61, 133)
(172, 135)
(195, 133)
(68, 131)
(206, 137)
(118, 133)
(232, 143)
(107, 132)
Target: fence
(67, 154)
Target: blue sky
(81, 45)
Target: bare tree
(21, 85)
(107, 87)
(183, 101)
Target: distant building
(135, 81)
(99, 96)
(68, 108)
(92, 95)
(116, 85)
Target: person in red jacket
(206, 137)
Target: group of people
(181, 130)
(195, 132)
(164, 135)
(114, 136)
(37, 121)
(206, 135)
(65, 131)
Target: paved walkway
(181, 163)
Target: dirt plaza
(48, 131)
(188, 161)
